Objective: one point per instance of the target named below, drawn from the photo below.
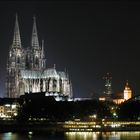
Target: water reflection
(102, 135)
(30, 135)
(8, 136)
(81, 135)
(72, 136)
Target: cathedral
(27, 71)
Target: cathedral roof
(62, 74)
(51, 72)
(48, 73)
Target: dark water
(72, 136)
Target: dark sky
(87, 38)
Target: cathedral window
(36, 60)
(48, 84)
(60, 83)
(18, 60)
(41, 85)
(27, 62)
(54, 84)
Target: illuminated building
(1, 110)
(118, 100)
(7, 111)
(27, 72)
(125, 95)
(127, 92)
(108, 86)
(102, 98)
(107, 94)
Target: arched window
(36, 60)
(60, 84)
(48, 84)
(54, 85)
(41, 85)
(18, 59)
(27, 62)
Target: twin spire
(34, 41)
(17, 39)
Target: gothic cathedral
(27, 72)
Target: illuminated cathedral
(27, 72)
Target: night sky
(88, 39)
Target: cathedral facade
(27, 72)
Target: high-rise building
(27, 72)
(108, 86)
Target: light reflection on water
(8, 136)
(102, 135)
(72, 136)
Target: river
(72, 136)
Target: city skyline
(89, 39)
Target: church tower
(127, 92)
(15, 63)
(36, 56)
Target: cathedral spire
(16, 38)
(34, 40)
